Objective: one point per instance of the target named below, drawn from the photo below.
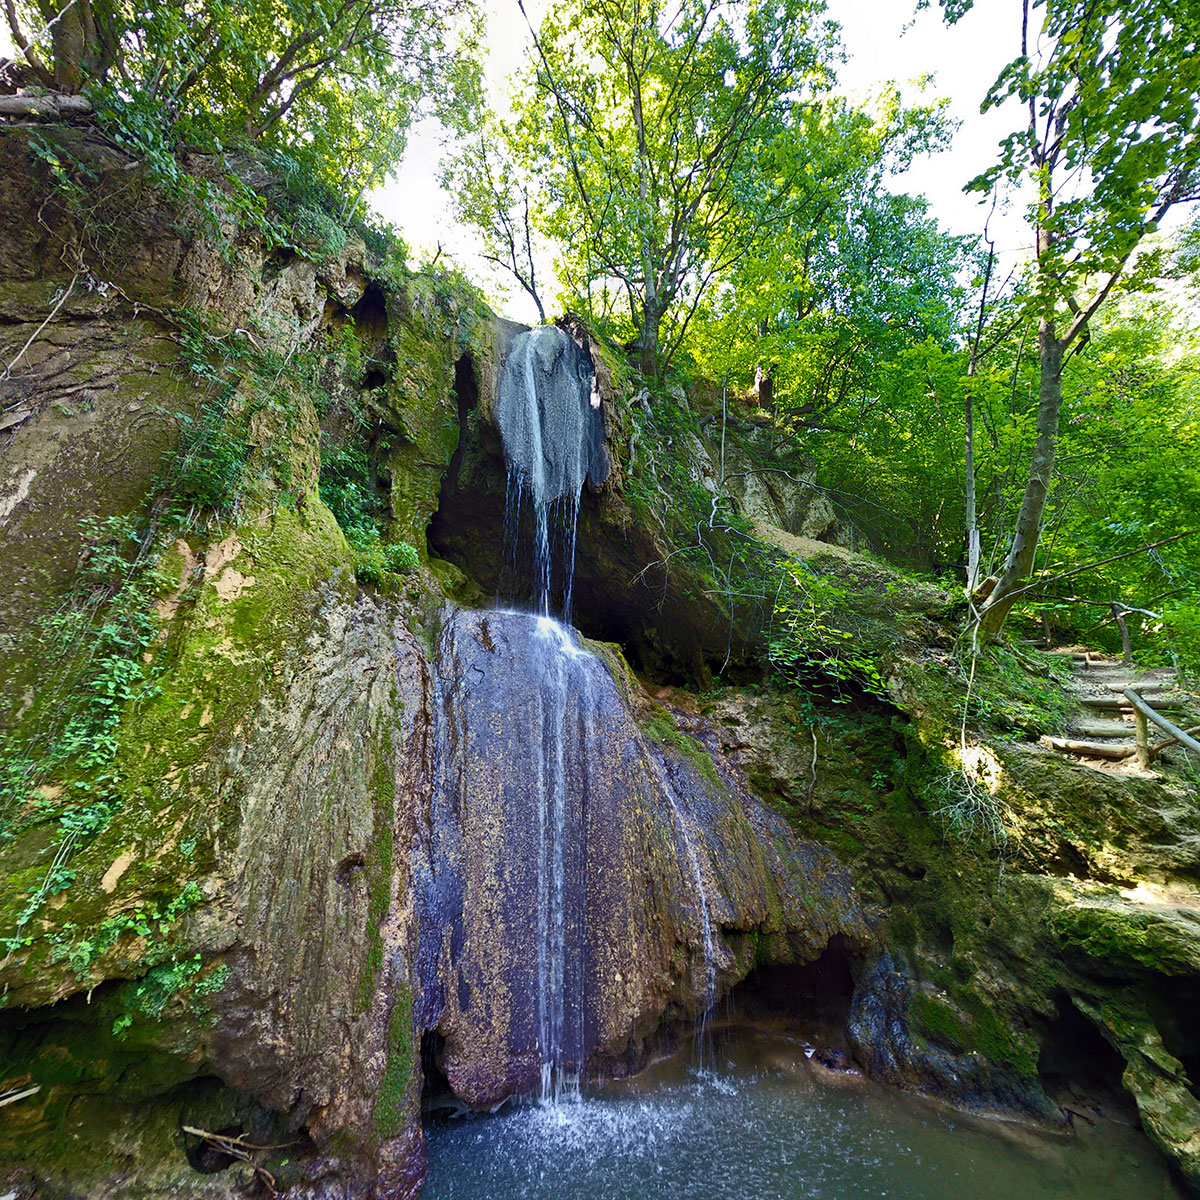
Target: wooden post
(1143, 713)
(1143, 738)
(1118, 611)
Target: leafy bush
(375, 559)
(211, 464)
(347, 490)
(810, 636)
(1182, 624)
(317, 235)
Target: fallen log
(1159, 747)
(45, 108)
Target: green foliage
(348, 491)
(493, 193)
(213, 453)
(649, 166)
(1182, 624)
(149, 996)
(317, 234)
(815, 635)
(97, 639)
(149, 921)
(243, 379)
(844, 279)
(333, 83)
(1113, 97)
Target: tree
(846, 273)
(335, 82)
(492, 192)
(650, 161)
(1109, 146)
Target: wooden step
(1118, 702)
(1102, 729)
(1088, 749)
(1107, 670)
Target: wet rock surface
(528, 720)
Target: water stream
(559, 946)
(550, 428)
(684, 830)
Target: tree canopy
(655, 161)
(334, 82)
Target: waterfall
(560, 969)
(537, 756)
(548, 409)
(682, 826)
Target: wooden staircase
(1106, 728)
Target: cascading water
(541, 903)
(560, 969)
(682, 826)
(549, 416)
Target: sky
(885, 41)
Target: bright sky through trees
(884, 40)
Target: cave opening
(1171, 1009)
(808, 1000)
(370, 316)
(437, 1097)
(207, 1157)
(467, 529)
(1080, 1070)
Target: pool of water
(765, 1123)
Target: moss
(610, 654)
(662, 729)
(391, 1110)
(235, 646)
(964, 1023)
(1128, 939)
(224, 656)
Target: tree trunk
(1118, 613)
(972, 519)
(764, 387)
(648, 344)
(79, 42)
(67, 40)
(1033, 505)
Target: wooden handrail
(1143, 714)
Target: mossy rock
(1123, 938)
